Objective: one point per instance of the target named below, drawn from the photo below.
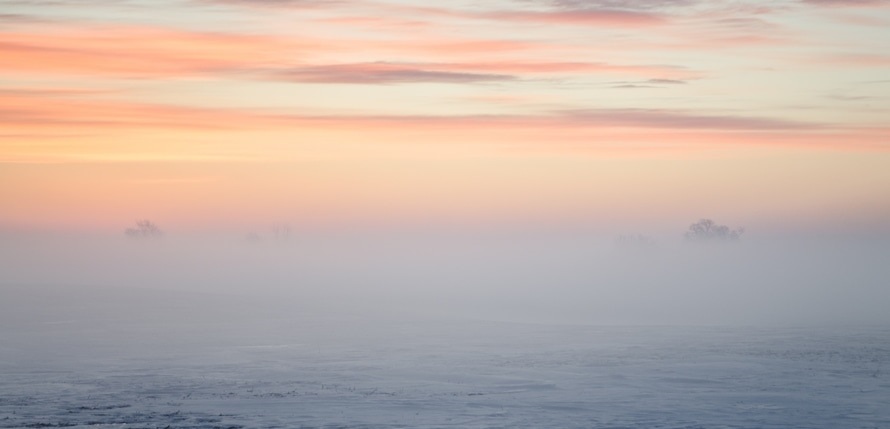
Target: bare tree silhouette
(281, 231)
(144, 229)
(706, 230)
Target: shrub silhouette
(144, 229)
(706, 230)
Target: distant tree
(280, 232)
(144, 229)
(706, 230)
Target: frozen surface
(262, 367)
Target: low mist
(574, 278)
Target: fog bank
(540, 278)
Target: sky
(616, 116)
(460, 158)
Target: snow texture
(82, 369)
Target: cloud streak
(584, 17)
(619, 4)
(383, 73)
(468, 72)
(674, 119)
(34, 108)
(847, 3)
(162, 53)
(57, 119)
(857, 60)
(134, 51)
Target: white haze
(563, 278)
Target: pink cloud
(38, 109)
(467, 72)
(543, 67)
(844, 3)
(40, 116)
(858, 60)
(154, 52)
(618, 18)
(382, 73)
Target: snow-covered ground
(71, 366)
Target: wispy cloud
(666, 82)
(606, 13)
(36, 112)
(32, 111)
(574, 67)
(134, 51)
(667, 119)
(62, 123)
(281, 3)
(852, 3)
(857, 60)
(620, 4)
(383, 73)
(845, 97)
(650, 83)
(159, 53)
(597, 17)
(468, 72)
(16, 17)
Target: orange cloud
(156, 52)
(35, 112)
(135, 51)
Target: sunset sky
(620, 116)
